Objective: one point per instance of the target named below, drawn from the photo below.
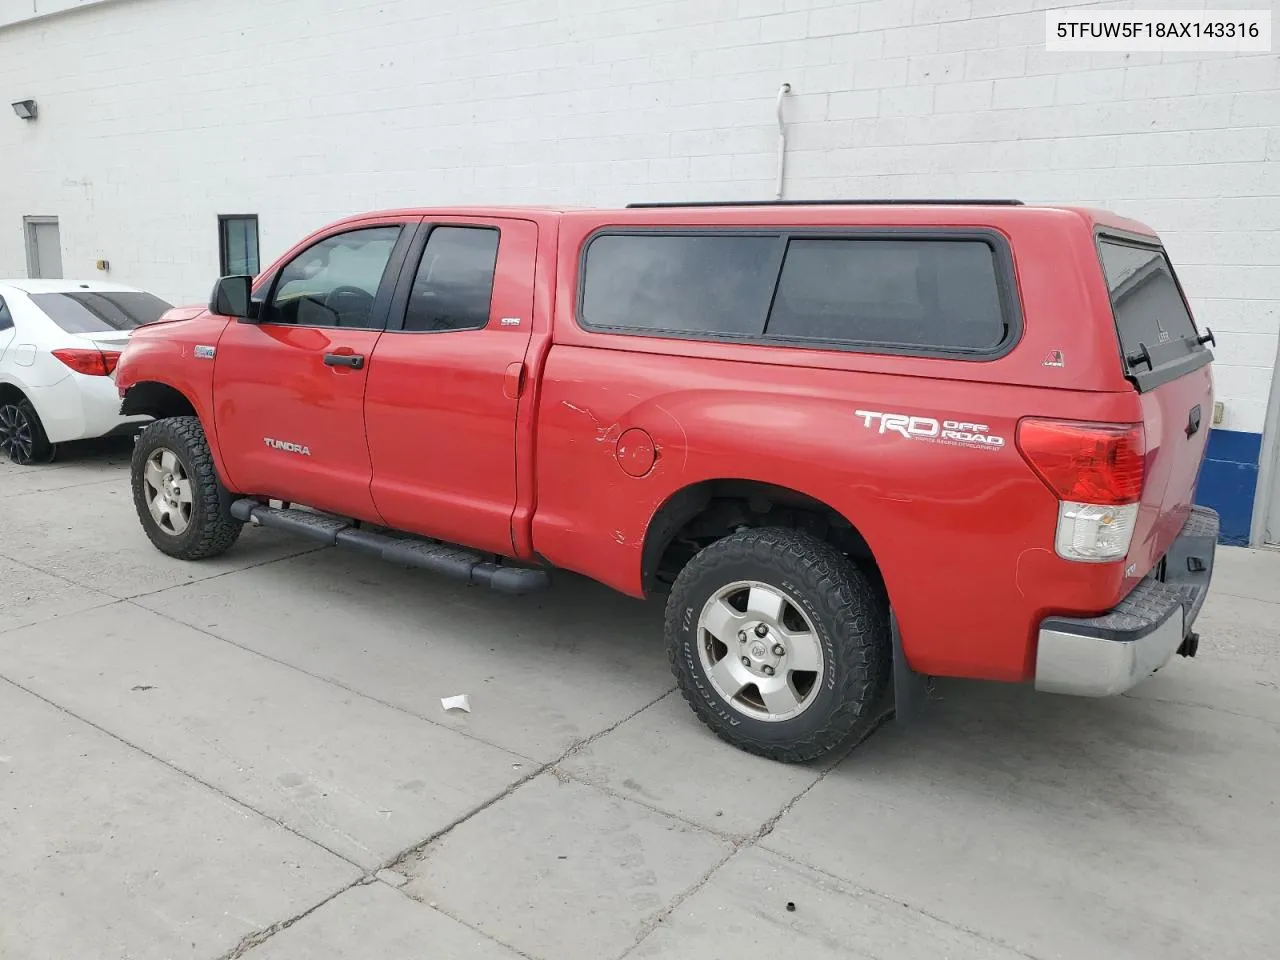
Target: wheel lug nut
(768, 670)
(779, 649)
(742, 636)
(761, 630)
(746, 661)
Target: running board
(455, 562)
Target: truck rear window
(1149, 309)
(879, 294)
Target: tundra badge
(286, 446)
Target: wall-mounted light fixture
(25, 109)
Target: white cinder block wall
(158, 115)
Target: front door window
(335, 282)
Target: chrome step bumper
(1108, 654)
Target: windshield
(86, 311)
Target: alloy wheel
(16, 435)
(760, 651)
(168, 491)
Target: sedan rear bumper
(1108, 654)
(80, 407)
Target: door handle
(353, 360)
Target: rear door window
(453, 287)
(85, 311)
(1150, 312)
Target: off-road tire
(41, 450)
(849, 616)
(212, 529)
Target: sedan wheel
(22, 436)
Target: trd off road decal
(959, 433)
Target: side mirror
(232, 297)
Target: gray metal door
(44, 248)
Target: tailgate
(1166, 360)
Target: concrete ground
(247, 757)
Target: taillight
(1096, 471)
(92, 363)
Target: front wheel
(779, 643)
(176, 491)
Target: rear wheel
(22, 436)
(176, 492)
(779, 643)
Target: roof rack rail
(861, 202)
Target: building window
(238, 245)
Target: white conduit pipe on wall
(782, 139)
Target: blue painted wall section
(1228, 479)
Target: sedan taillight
(92, 363)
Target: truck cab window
(334, 282)
(454, 283)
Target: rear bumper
(1105, 655)
(80, 407)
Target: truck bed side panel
(963, 532)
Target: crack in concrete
(887, 898)
(151, 593)
(767, 827)
(225, 573)
(742, 844)
(418, 849)
(333, 682)
(1239, 596)
(259, 937)
(177, 769)
(466, 923)
(1203, 706)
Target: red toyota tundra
(855, 444)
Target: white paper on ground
(460, 702)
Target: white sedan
(59, 344)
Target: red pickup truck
(854, 443)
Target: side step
(455, 562)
